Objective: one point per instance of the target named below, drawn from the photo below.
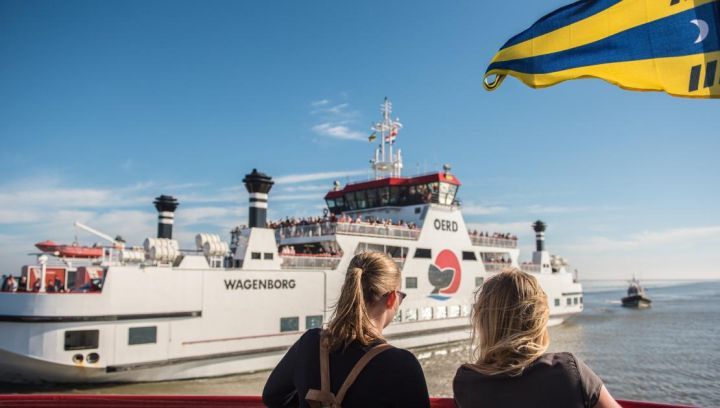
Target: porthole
(78, 358)
(92, 358)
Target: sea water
(669, 353)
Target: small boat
(636, 296)
(70, 251)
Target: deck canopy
(437, 188)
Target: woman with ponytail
(512, 368)
(349, 364)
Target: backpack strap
(324, 396)
(357, 369)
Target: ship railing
(305, 261)
(350, 228)
(527, 267)
(391, 231)
(493, 242)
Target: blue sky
(106, 105)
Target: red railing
(193, 401)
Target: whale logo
(445, 275)
(704, 28)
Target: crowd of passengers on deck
(496, 235)
(299, 227)
(315, 250)
(11, 284)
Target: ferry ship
(157, 312)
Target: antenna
(387, 163)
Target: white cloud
(321, 102)
(337, 121)
(479, 209)
(213, 215)
(19, 216)
(559, 209)
(648, 240)
(295, 197)
(338, 109)
(306, 177)
(338, 131)
(313, 187)
(516, 228)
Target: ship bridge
(434, 188)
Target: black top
(393, 378)
(553, 380)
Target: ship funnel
(166, 206)
(258, 185)
(539, 228)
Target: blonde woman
(350, 364)
(512, 368)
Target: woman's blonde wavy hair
(509, 319)
(369, 276)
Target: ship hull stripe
(279, 349)
(106, 318)
(182, 360)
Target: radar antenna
(386, 162)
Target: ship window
(361, 199)
(557, 301)
(426, 313)
(443, 197)
(418, 210)
(423, 253)
(81, 339)
(410, 315)
(255, 255)
(454, 311)
(288, 324)
(575, 301)
(465, 310)
(411, 282)
(350, 199)
(396, 251)
(312, 322)
(452, 193)
(142, 335)
(569, 301)
(478, 281)
(398, 317)
(372, 198)
(394, 192)
(331, 204)
(440, 312)
(581, 300)
(469, 256)
(268, 256)
(384, 193)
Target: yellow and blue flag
(647, 45)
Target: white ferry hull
(19, 368)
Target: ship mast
(387, 163)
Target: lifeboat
(70, 251)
